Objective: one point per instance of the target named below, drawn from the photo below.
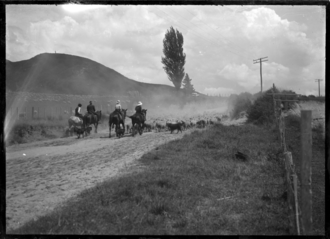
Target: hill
(68, 74)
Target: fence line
(300, 218)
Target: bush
(241, 103)
(262, 111)
(292, 121)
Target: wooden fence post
(284, 140)
(282, 132)
(306, 172)
(274, 102)
(296, 205)
(290, 192)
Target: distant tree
(187, 86)
(175, 58)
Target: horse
(92, 119)
(74, 121)
(115, 120)
(138, 120)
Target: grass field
(191, 186)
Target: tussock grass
(191, 186)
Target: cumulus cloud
(75, 8)
(220, 42)
(240, 73)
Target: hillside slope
(68, 74)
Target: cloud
(220, 42)
(77, 8)
(242, 74)
(263, 23)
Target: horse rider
(118, 109)
(138, 110)
(91, 108)
(78, 112)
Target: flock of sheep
(176, 121)
(172, 123)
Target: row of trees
(174, 61)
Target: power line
(260, 60)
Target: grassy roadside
(191, 186)
(34, 130)
(318, 167)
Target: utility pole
(318, 80)
(260, 60)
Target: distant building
(195, 94)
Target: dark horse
(115, 120)
(92, 119)
(138, 120)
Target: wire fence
(300, 211)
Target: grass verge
(292, 124)
(191, 186)
(35, 130)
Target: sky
(220, 42)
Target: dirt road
(42, 175)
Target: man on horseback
(78, 112)
(138, 110)
(118, 109)
(91, 108)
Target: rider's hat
(118, 101)
(140, 103)
(79, 105)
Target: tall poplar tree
(175, 58)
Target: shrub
(241, 103)
(292, 121)
(262, 111)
